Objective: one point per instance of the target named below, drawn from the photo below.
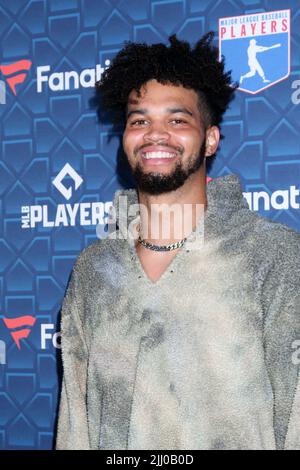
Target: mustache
(180, 150)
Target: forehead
(154, 93)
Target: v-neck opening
(170, 268)
(165, 272)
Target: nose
(156, 133)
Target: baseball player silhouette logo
(256, 48)
(253, 63)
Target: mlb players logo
(256, 48)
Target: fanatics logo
(256, 48)
(15, 73)
(18, 324)
(70, 80)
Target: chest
(154, 263)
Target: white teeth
(160, 154)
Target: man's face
(164, 138)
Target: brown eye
(179, 121)
(138, 122)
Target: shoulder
(245, 228)
(270, 245)
(104, 251)
(274, 238)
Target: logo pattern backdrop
(58, 166)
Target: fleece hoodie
(204, 358)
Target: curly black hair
(198, 69)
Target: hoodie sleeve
(281, 298)
(72, 431)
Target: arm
(281, 295)
(72, 432)
(262, 48)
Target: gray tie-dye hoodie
(204, 358)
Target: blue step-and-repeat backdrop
(58, 165)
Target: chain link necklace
(170, 247)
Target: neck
(170, 217)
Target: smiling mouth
(158, 155)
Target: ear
(212, 140)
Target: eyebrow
(180, 110)
(136, 111)
(169, 110)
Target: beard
(159, 183)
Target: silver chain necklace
(170, 247)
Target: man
(185, 339)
